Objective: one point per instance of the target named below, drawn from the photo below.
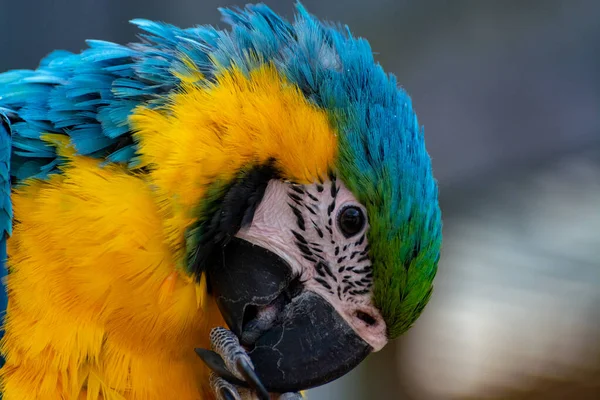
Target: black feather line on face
(232, 211)
(343, 268)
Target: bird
(209, 213)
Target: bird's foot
(233, 371)
(225, 390)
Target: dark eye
(351, 220)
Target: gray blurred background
(509, 94)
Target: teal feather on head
(381, 158)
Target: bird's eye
(351, 220)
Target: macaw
(209, 213)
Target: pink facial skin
(299, 223)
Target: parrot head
(296, 170)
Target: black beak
(295, 338)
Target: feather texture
(116, 152)
(117, 319)
(206, 134)
(6, 212)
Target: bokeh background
(509, 94)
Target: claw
(226, 394)
(291, 396)
(245, 367)
(230, 362)
(224, 382)
(217, 365)
(223, 389)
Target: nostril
(366, 318)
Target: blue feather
(31, 147)
(123, 155)
(90, 96)
(55, 57)
(88, 139)
(6, 214)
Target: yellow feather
(201, 292)
(193, 74)
(99, 304)
(167, 288)
(211, 130)
(89, 310)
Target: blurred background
(509, 94)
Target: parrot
(209, 213)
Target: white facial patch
(303, 224)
